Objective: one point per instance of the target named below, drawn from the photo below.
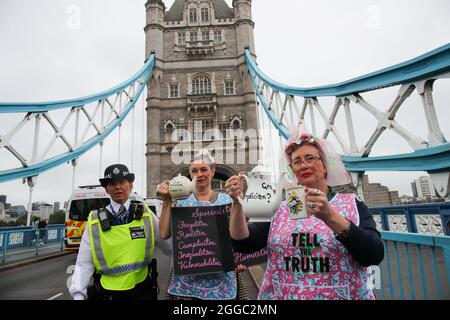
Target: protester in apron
(325, 255)
(217, 286)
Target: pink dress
(315, 266)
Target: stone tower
(200, 94)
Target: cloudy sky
(59, 49)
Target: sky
(60, 49)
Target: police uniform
(119, 252)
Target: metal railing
(429, 218)
(21, 243)
(415, 267)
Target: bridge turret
(245, 40)
(154, 27)
(244, 25)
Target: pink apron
(318, 267)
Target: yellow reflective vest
(122, 254)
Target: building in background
(200, 88)
(21, 210)
(375, 194)
(9, 212)
(405, 199)
(424, 187)
(2, 211)
(42, 210)
(56, 206)
(414, 189)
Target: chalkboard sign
(201, 240)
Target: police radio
(137, 209)
(104, 220)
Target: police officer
(118, 246)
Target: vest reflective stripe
(122, 269)
(150, 245)
(97, 243)
(125, 268)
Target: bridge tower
(200, 88)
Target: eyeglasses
(309, 159)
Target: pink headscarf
(337, 174)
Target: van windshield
(79, 209)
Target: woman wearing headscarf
(325, 255)
(216, 286)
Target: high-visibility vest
(122, 254)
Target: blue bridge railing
(415, 267)
(430, 218)
(22, 242)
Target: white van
(83, 200)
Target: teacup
(296, 200)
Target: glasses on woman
(309, 159)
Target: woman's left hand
(317, 204)
(240, 268)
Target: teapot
(181, 187)
(262, 199)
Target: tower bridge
(200, 75)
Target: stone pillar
(244, 25)
(245, 40)
(153, 133)
(154, 36)
(154, 28)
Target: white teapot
(262, 199)
(181, 187)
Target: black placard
(251, 259)
(201, 240)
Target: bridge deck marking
(55, 296)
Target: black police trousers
(146, 290)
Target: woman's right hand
(238, 225)
(163, 190)
(234, 187)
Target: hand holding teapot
(181, 187)
(261, 199)
(162, 190)
(234, 186)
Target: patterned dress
(314, 266)
(216, 286)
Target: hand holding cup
(317, 204)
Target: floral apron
(318, 267)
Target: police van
(84, 199)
